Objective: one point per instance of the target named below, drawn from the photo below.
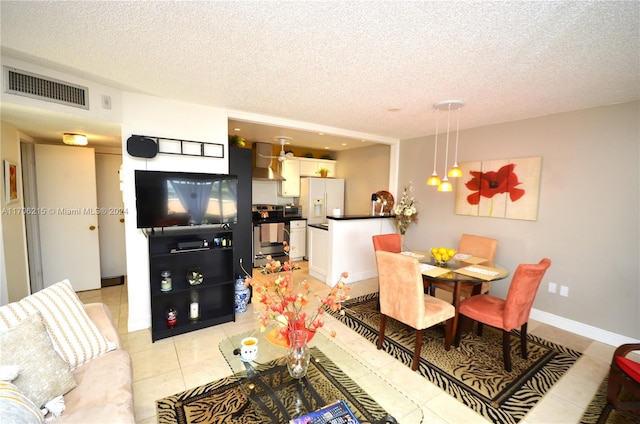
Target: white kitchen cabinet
(318, 253)
(309, 167)
(298, 239)
(290, 171)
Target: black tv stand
(215, 294)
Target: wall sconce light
(73, 139)
(447, 105)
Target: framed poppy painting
(10, 182)
(503, 188)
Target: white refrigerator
(319, 197)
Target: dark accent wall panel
(240, 165)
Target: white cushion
(75, 337)
(15, 407)
(9, 372)
(43, 374)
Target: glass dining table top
(455, 269)
(260, 372)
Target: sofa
(68, 360)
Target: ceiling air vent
(26, 84)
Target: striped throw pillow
(15, 407)
(74, 336)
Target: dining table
(461, 270)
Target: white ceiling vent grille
(26, 84)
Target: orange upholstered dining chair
(624, 373)
(402, 298)
(506, 314)
(388, 242)
(478, 246)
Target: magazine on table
(334, 413)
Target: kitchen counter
(345, 244)
(348, 217)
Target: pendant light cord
(435, 153)
(446, 154)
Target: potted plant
(323, 172)
(236, 140)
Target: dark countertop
(348, 217)
(319, 226)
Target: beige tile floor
(172, 365)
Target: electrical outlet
(564, 291)
(106, 102)
(553, 287)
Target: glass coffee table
(334, 374)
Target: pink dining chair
(506, 314)
(478, 246)
(402, 298)
(389, 242)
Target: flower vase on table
(281, 300)
(405, 212)
(298, 355)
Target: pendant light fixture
(447, 105)
(434, 180)
(455, 171)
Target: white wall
(366, 171)
(152, 116)
(13, 234)
(588, 219)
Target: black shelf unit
(215, 294)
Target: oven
(271, 230)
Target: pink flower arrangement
(285, 301)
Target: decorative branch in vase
(405, 210)
(286, 303)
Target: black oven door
(268, 241)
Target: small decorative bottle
(165, 283)
(172, 318)
(194, 307)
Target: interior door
(66, 187)
(111, 218)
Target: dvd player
(198, 244)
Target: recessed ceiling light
(74, 139)
(326, 147)
(344, 144)
(320, 133)
(237, 129)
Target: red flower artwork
(488, 184)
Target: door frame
(32, 224)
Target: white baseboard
(581, 329)
(138, 324)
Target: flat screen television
(177, 199)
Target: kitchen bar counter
(348, 217)
(345, 244)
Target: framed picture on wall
(10, 182)
(502, 188)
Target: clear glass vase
(298, 355)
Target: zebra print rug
(599, 412)
(225, 401)
(474, 373)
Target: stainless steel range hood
(262, 162)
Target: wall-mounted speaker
(142, 147)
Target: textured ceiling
(344, 64)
